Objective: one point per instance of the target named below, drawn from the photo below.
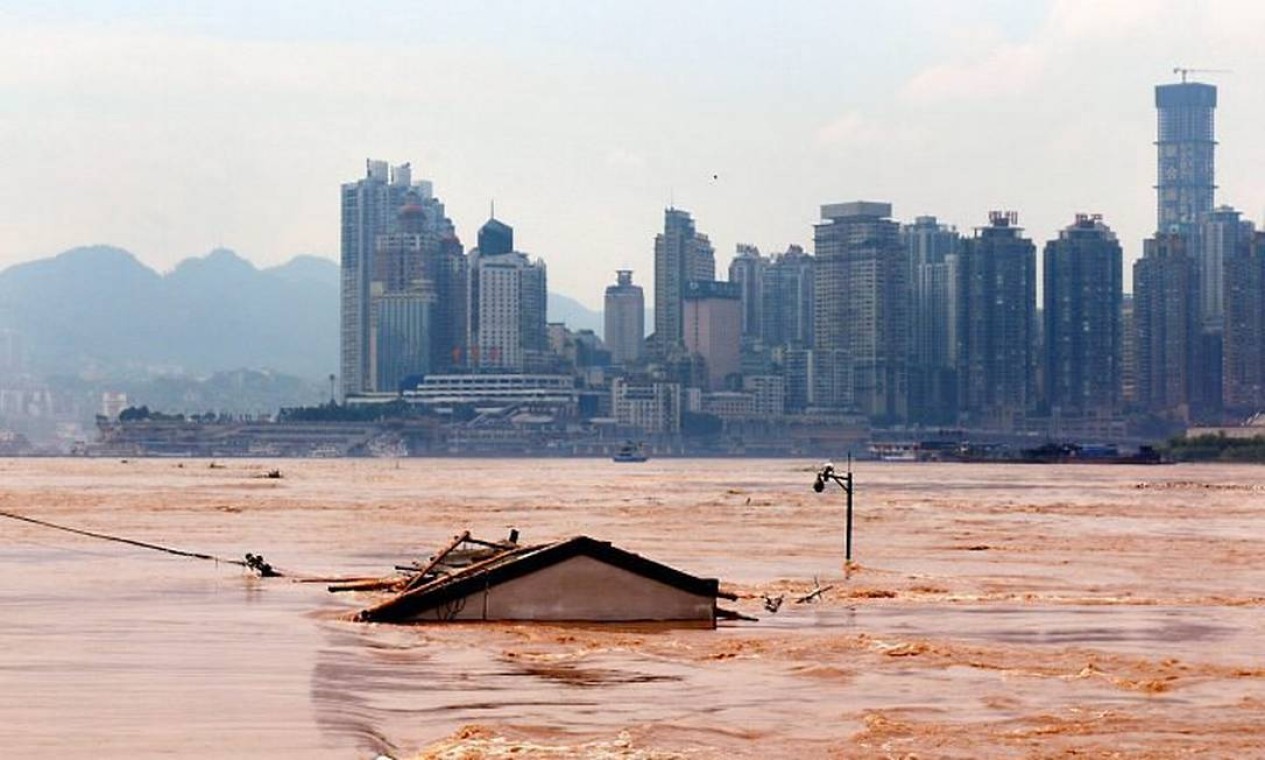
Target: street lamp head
(827, 471)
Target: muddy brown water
(995, 611)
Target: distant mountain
(313, 269)
(98, 310)
(576, 315)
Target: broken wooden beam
(813, 595)
(420, 578)
(368, 584)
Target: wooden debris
(813, 595)
(462, 552)
(422, 574)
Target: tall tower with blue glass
(1186, 144)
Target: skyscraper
(787, 294)
(1166, 325)
(368, 209)
(1083, 287)
(681, 255)
(1223, 233)
(1243, 358)
(625, 317)
(1186, 144)
(1222, 236)
(1128, 352)
(401, 302)
(747, 272)
(996, 324)
(861, 318)
(402, 336)
(508, 301)
(390, 225)
(713, 328)
(932, 249)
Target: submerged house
(578, 579)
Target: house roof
(519, 562)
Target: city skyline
(165, 132)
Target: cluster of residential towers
(897, 324)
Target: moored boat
(630, 452)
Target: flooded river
(993, 611)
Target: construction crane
(1185, 71)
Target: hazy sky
(173, 128)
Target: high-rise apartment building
(508, 300)
(681, 255)
(1186, 146)
(1243, 357)
(1083, 288)
(932, 249)
(861, 324)
(1128, 353)
(1223, 234)
(996, 324)
(402, 335)
(713, 328)
(369, 208)
(421, 257)
(787, 295)
(747, 272)
(1186, 185)
(1166, 326)
(625, 318)
(390, 226)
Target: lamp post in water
(827, 472)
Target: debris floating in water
(252, 561)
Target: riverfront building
(391, 226)
(746, 271)
(932, 249)
(1083, 271)
(997, 325)
(625, 319)
(508, 301)
(1166, 321)
(713, 329)
(1243, 360)
(860, 325)
(681, 255)
(787, 299)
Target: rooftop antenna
(1183, 71)
(492, 210)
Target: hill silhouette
(97, 311)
